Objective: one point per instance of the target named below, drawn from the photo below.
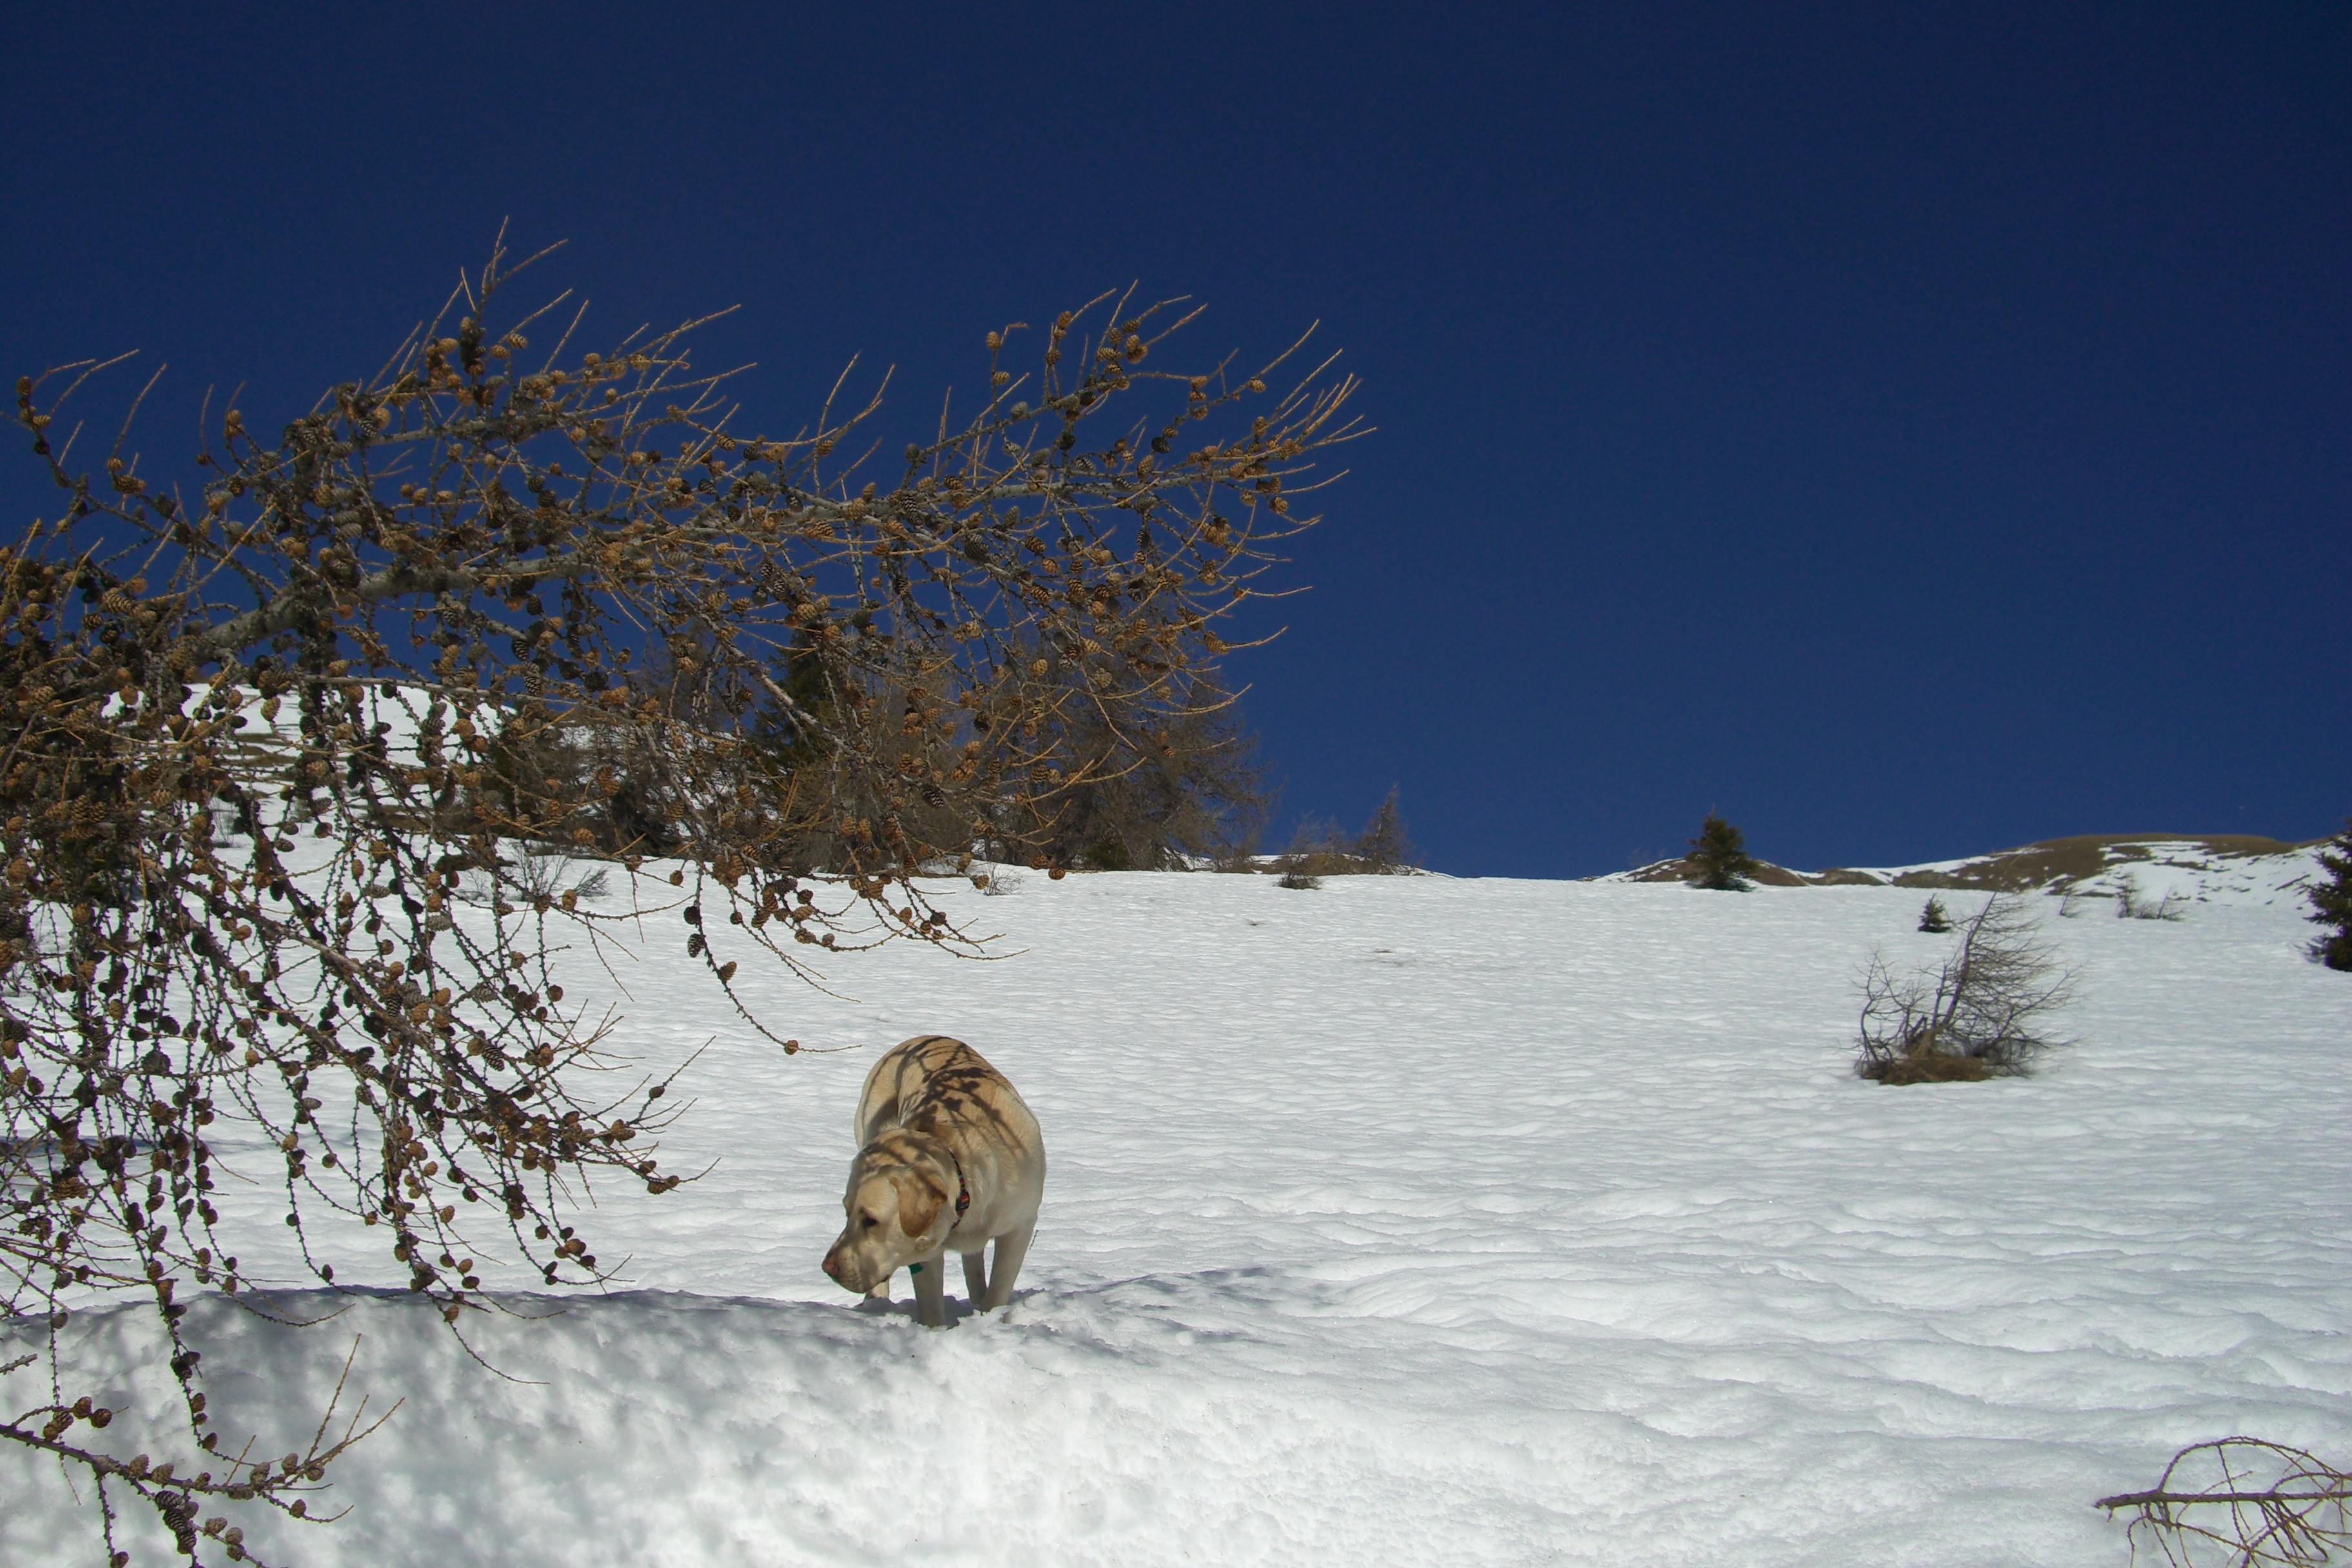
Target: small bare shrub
(1241, 858)
(1316, 850)
(1319, 850)
(1979, 1016)
(2131, 904)
(533, 877)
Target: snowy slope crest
(2190, 869)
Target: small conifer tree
(1934, 919)
(2331, 903)
(1718, 858)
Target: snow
(1403, 1220)
(2177, 872)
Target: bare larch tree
(1983, 1012)
(431, 590)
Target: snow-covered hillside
(1407, 1220)
(2222, 869)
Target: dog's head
(898, 1212)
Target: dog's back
(937, 1085)
(897, 1082)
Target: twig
(2296, 1521)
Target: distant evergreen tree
(1933, 918)
(1718, 858)
(2331, 903)
(791, 733)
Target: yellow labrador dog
(950, 1159)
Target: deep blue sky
(1911, 431)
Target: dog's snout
(832, 1264)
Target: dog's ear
(919, 1197)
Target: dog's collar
(963, 1191)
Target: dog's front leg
(930, 1291)
(880, 1290)
(975, 1275)
(1011, 1248)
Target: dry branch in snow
(2241, 1502)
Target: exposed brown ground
(1929, 1067)
(2051, 861)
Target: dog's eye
(868, 1221)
